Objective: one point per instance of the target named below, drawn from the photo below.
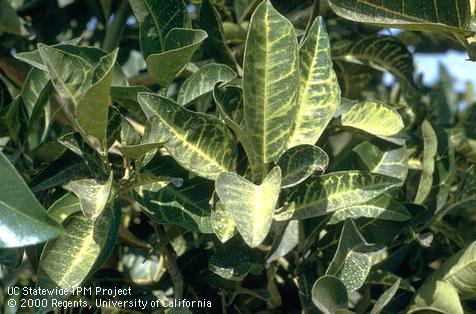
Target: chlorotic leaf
(439, 295)
(430, 142)
(382, 207)
(384, 159)
(270, 81)
(319, 93)
(199, 142)
(186, 205)
(354, 257)
(24, 221)
(328, 193)
(67, 261)
(374, 118)
(93, 195)
(251, 206)
(222, 222)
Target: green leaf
(92, 195)
(353, 258)
(251, 206)
(300, 162)
(438, 295)
(156, 19)
(385, 278)
(430, 146)
(180, 44)
(199, 142)
(24, 221)
(11, 257)
(64, 207)
(67, 261)
(319, 92)
(270, 82)
(329, 294)
(185, 206)
(93, 106)
(35, 93)
(84, 88)
(222, 222)
(385, 298)
(328, 193)
(437, 15)
(232, 262)
(382, 207)
(374, 118)
(216, 46)
(289, 240)
(203, 82)
(383, 53)
(444, 173)
(10, 22)
(384, 159)
(459, 271)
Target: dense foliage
(245, 154)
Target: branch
(115, 30)
(15, 70)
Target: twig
(116, 28)
(171, 263)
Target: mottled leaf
(251, 206)
(319, 93)
(222, 222)
(185, 206)
(384, 159)
(382, 207)
(67, 261)
(300, 162)
(439, 295)
(374, 118)
(203, 82)
(328, 193)
(270, 82)
(93, 195)
(353, 258)
(199, 142)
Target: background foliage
(243, 152)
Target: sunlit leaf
(328, 193)
(24, 221)
(251, 206)
(199, 142)
(270, 82)
(319, 93)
